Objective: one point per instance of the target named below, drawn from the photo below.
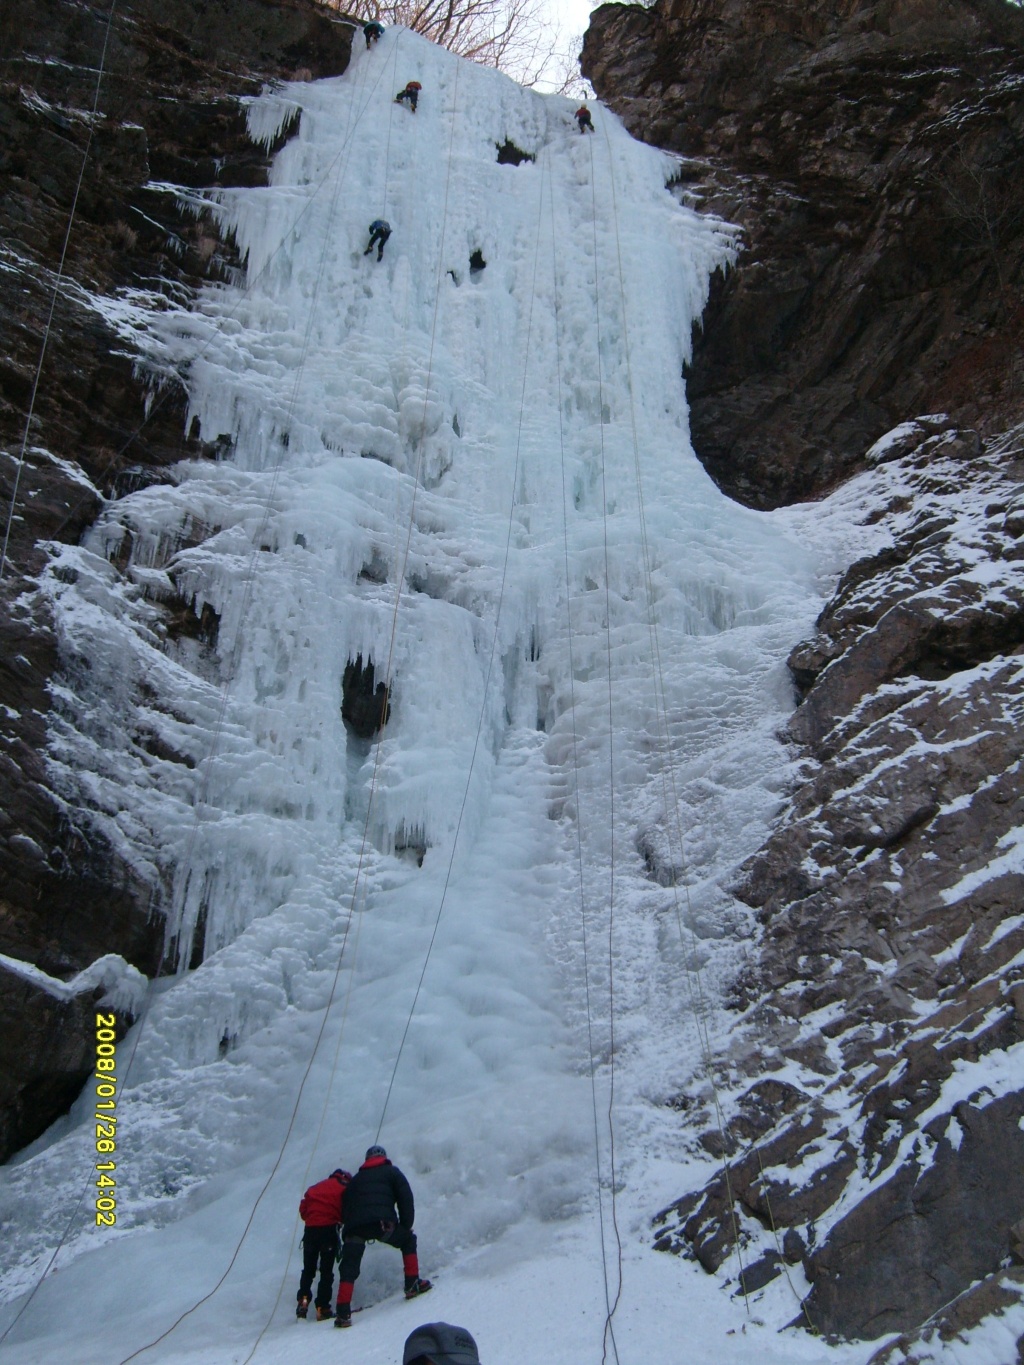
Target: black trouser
(319, 1246)
(377, 238)
(354, 1240)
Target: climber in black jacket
(410, 93)
(380, 231)
(379, 1207)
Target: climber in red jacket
(320, 1210)
(582, 117)
(410, 93)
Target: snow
(994, 1075)
(1011, 859)
(892, 439)
(482, 482)
(991, 1342)
(123, 987)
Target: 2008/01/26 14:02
(106, 1121)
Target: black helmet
(441, 1342)
(343, 1176)
(374, 1151)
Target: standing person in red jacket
(378, 1208)
(320, 1210)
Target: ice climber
(410, 93)
(380, 231)
(439, 1343)
(582, 117)
(378, 1208)
(320, 1210)
(372, 32)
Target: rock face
(872, 150)
(872, 1103)
(54, 1056)
(168, 110)
(1000, 1297)
(872, 1096)
(881, 1143)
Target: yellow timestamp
(106, 1119)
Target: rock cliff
(872, 1099)
(875, 1129)
(872, 1108)
(871, 150)
(167, 110)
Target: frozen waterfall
(468, 467)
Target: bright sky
(572, 17)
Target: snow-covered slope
(481, 480)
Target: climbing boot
(415, 1287)
(302, 1307)
(343, 1317)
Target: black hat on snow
(443, 1343)
(374, 1151)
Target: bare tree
(516, 36)
(980, 187)
(562, 75)
(979, 181)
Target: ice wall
(468, 464)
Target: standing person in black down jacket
(378, 1208)
(320, 1210)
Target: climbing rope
(53, 301)
(391, 118)
(14, 502)
(156, 406)
(222, 708)
(756, 1145)
(247, 600)
(592, 1063)
(246, 605)
(342, 952)
(268, 502)
(490, 661)
(694, 978)
(364, 843)
(608, 1328)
